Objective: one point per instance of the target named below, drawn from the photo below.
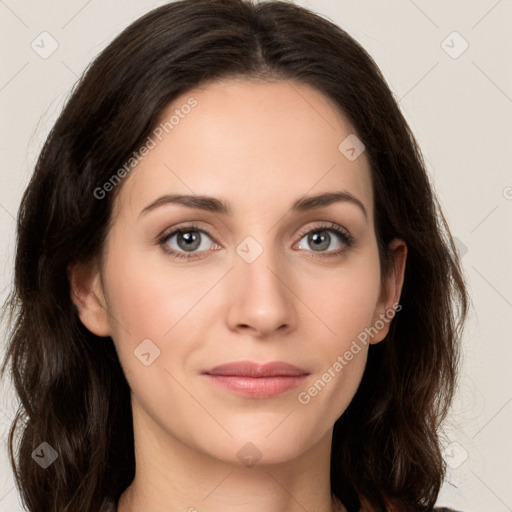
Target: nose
(261, 299)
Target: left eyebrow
(212, 204)
(310, 202)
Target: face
(267, 280)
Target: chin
(265, 445)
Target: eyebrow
(212, 204)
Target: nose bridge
(263, 299)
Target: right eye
(186, 240)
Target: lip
(257, 380)
(257, 370)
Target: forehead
(257, 144)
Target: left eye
(320, 240)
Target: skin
(259, 146)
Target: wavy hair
(71, 388)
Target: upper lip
(250, 369)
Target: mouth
(255, 380)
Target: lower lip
(258, 387)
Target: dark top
(437, 509)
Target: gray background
(459, 105)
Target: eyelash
(347, 239)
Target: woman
(234, 286)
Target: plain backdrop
(449, 65)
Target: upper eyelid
(168, 232)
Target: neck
(170, 473)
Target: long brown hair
(72, 390)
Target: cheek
(331, 391)
(345, 299)
(149, 298)
(148, 304)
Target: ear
(87, 295)
(390, 291)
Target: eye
(189, 239)
(321, 239)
